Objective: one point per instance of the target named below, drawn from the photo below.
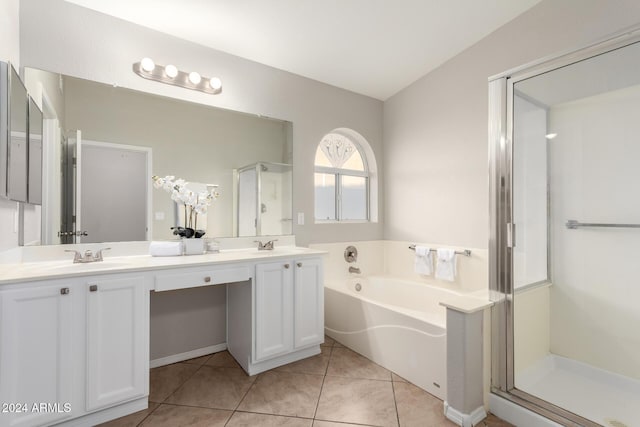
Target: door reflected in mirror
(104, 196)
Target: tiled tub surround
(337, 388)
(395, 259)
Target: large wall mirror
(108, 142)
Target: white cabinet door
(117, 340)
(36, 359)
(308, 303)
(273, 309)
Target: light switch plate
(159, 216)
(300, 218)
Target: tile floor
(337, 388)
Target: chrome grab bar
(572, 224)
(466, 252)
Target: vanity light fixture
(170, 74)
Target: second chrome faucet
(268, 246)
(88, 256)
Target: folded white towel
(446, 265)
(165, 248)
(423, 263)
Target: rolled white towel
(173, 248)
(423, 263)
(446, 264)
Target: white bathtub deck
(590, 392)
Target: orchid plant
(195, 203)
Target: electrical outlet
(159, 216)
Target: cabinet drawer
(190, 279)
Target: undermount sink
(70, 266)
(279, 251)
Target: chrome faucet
(268, 246)
(353, 269)
(88, 256)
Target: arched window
(343, 177)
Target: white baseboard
(462, 419)
(256, 368)
(174, 358)
(516, 414)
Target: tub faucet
(268, 246)
(353, 269)
(88, 256)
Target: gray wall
(187, 319)
(435, 130)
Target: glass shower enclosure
(565, 235)
(263, 200)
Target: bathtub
(396, 323)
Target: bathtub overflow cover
(358, 287)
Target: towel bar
(465, 252)
(572, 224)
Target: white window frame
(338, 174)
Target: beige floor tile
(397, 378)
(284, 393)
(417, 408)
(246, 419)
(328, 342)
(222, 359)
(166, 379)
(174, 416)
(348, 363)
(316, 365)
(198, 360)
(358, 401)
(221, 388)
(318, 423)
(131, 420)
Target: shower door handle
(511, 235)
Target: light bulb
(147, 64)
(194, 77)
(215, 83)
(171, 71)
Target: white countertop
(46, 270)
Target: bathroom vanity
(74, 338)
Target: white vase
(193, 246)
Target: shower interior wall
(589, 313)
(594, 300)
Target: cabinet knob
(93, 288)
(207, 279)
(64, 291)
(299, 264)
(286, 266)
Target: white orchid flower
(194, 203)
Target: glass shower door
(573, 274)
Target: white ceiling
(372, 47)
